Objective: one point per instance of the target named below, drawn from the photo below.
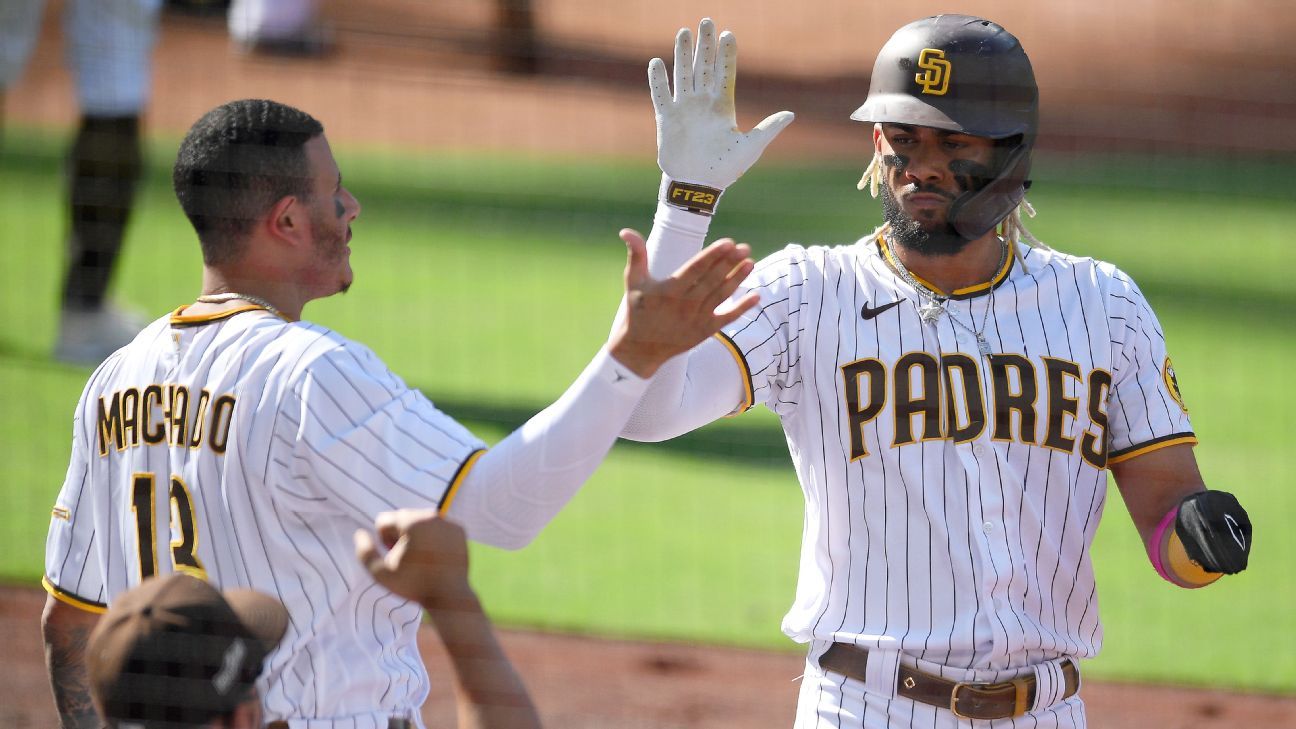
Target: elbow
(642, 432)
(502, 537)
(644, 437)
(513, 542)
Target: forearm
(665, 410)
(708, 387)
(518, 486)
(66, 631)
(1192, 536)
(490, 693)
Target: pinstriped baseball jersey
(247, 449)
(951, 496)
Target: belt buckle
(954, 699)
(1020, 706)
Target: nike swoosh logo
(868, 313)
(1235, 530)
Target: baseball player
(174, 652)
(109, 47)
(234, 441)
(953, 394)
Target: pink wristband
(1156, 546)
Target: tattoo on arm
(65, 651)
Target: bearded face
(924, 172)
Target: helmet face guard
(968, 75)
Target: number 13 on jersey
(183, 530)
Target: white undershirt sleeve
(520, 485)
(709, 387)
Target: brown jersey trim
(458, 480)
(1155, 444)
(181, 320)
(62, 595)
(749, 397)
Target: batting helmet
(968, 75)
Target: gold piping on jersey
(193, 320)
(749, 396)
(61, 512)
(1152, 445)
(458, 480)
(75, 601)
(964, 293)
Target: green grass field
(489, 282)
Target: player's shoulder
(822, 256)
(311, 349)
(1044, 263)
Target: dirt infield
(585, 683)
(417, 74)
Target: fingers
(769, 128)
(727, 67)
(683, 63)
(658, 85)
(705, 58)
(712, 261)
(725, 278)
(392, 525)
(729, 313)
(636, 270)
(367, 550)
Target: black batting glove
(1215, 531)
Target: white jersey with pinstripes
(262, 445)
(951, 497)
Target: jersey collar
(179, 319)
(967, 292)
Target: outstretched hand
(671, 316)
(423, 556)
(698, 139)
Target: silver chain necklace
(934, 303)
(222, 298)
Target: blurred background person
(109, 46)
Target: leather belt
(967, 700)
(392, 724)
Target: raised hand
(698, 140)
(671, 316)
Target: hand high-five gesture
(671, 316)
(700, 149)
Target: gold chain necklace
(222, 298)
(934, 303)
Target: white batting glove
(700, 149)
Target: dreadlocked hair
(1011, 228)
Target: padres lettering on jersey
(950, 496)
(945, 401)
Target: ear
(286, 220)
(877, 138)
